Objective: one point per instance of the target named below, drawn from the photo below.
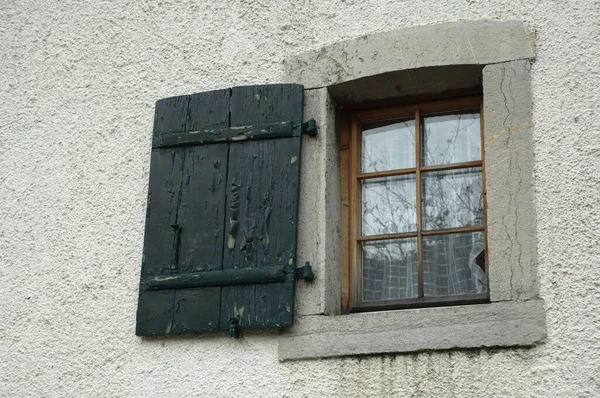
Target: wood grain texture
(170, 116)
(235, 205)
(182, 192)
(262, 206)
(155, 310)
(227, 134)
(208, 110)
(345, 243)
(226, 277)
(201, 214)
(354, 230)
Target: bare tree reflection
(450, 199)
(389, 206)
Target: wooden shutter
(221, 224)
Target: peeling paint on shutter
(223, 202)
(262, 206)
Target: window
(188, 285)
(416, 234)
(493, 56)
(513, 315)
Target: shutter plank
(201, 218)
(170, 116)
(155, 310)
(154, 316)
(208, 110)
(262, 206)
(266, 104)
(201, 215)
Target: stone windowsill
(499, 324)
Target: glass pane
(389, 205)
(389, 269)
(451, 139)
(388, 145)
(452, 198)
(454, 264)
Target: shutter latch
(310, 127)
(305, 273)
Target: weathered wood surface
(234, 205)
(184, 193)
(170, 115)
(201, 215)
(262, 206)
(227, 277)
(228, 134)
(155, 310)
(154, 314)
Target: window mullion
(419, 212)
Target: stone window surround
(516, 315)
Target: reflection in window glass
(389, 205)
(450, 139)
(452, 198)
(389, 269)
(434, 247)
(454, 264)
(388, 145)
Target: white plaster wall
(78, 81)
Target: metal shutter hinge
(305, 273)
(310, 127)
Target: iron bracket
(305, 273)
(310, 127)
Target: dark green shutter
(222, 211)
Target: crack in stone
(512, 180)
(510, 130)
(509, 174)
(515, 205)
(520, 252)
(470, 44)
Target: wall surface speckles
(78, 82)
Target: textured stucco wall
(78, 81)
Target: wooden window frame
(350, 176)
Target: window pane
(451, 139)
(389, 269)
(454, 264)
(452, 198)
(389, 205)
(388, 145)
